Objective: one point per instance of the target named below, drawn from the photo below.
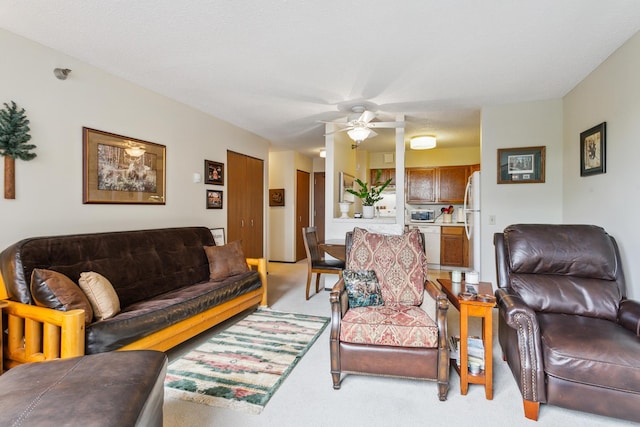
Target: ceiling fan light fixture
(359, 133)
(423, 142)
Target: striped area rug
(242, 366)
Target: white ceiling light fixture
(423, 142)
(359, 133)
(323, 153)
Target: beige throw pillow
(101, 295)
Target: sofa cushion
(390, 325)
(399, 262)
(362, 288)
(227, 260)
(140, 264)
(101, 295)
(55, 290)
(146, 317)
(590, 351)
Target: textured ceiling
(278, 67)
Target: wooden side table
(477, 309)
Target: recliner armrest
(522, 318)
(629, 315)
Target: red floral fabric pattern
(392, 325)
(399, 262)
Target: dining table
(336, 250)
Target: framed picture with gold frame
(120, 169)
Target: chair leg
(317, 282)
(531, 409)
(336, 380)
(443, 390)
(308, 283)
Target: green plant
(370, 196)
(14, 135)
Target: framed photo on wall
(522, 165)
(214, 199)
(120, 169)
(218, 236)
(213, 172)
(276, 197)
(593, 149)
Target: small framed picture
(218, 236)
(214, 199)
(521, 165)
(213, 172)
(593, 148)
(276, 197)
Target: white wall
(510, 126)
(49, 188)
(609, 94)
(282, 220)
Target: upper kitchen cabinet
(452, 181)
(421, 185)
(445, 184)
(384, 176)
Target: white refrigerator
(472, 219)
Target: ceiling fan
(359, 125)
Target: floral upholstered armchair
(378, 324)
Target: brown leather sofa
(566, 328)
(161, 278)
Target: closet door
(245, 200)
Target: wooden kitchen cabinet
(452, 181)
(386, 174)
(421, 185)
(454, 247)
(444, 184)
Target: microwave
(422, 215)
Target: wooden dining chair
(316, 263)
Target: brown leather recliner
(567, 331)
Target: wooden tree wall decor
(14, 135)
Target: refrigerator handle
(466, 193)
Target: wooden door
(302, 211)
(255, 170)
(318, 204)
(245, 199)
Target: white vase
(344, 209)
(368, 211)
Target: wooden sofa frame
(35, 334)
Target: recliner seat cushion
(389, 325)
(590, 351)
(144, 318)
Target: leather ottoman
(107, 389)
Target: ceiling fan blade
(340, 130)
(386, 125)
(367, 116)
(372, 134)
(336, 123)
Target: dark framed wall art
(276, 197)
(214, 199)
(119, 169)
(213, 172)
(593, 150)
(522, 165)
